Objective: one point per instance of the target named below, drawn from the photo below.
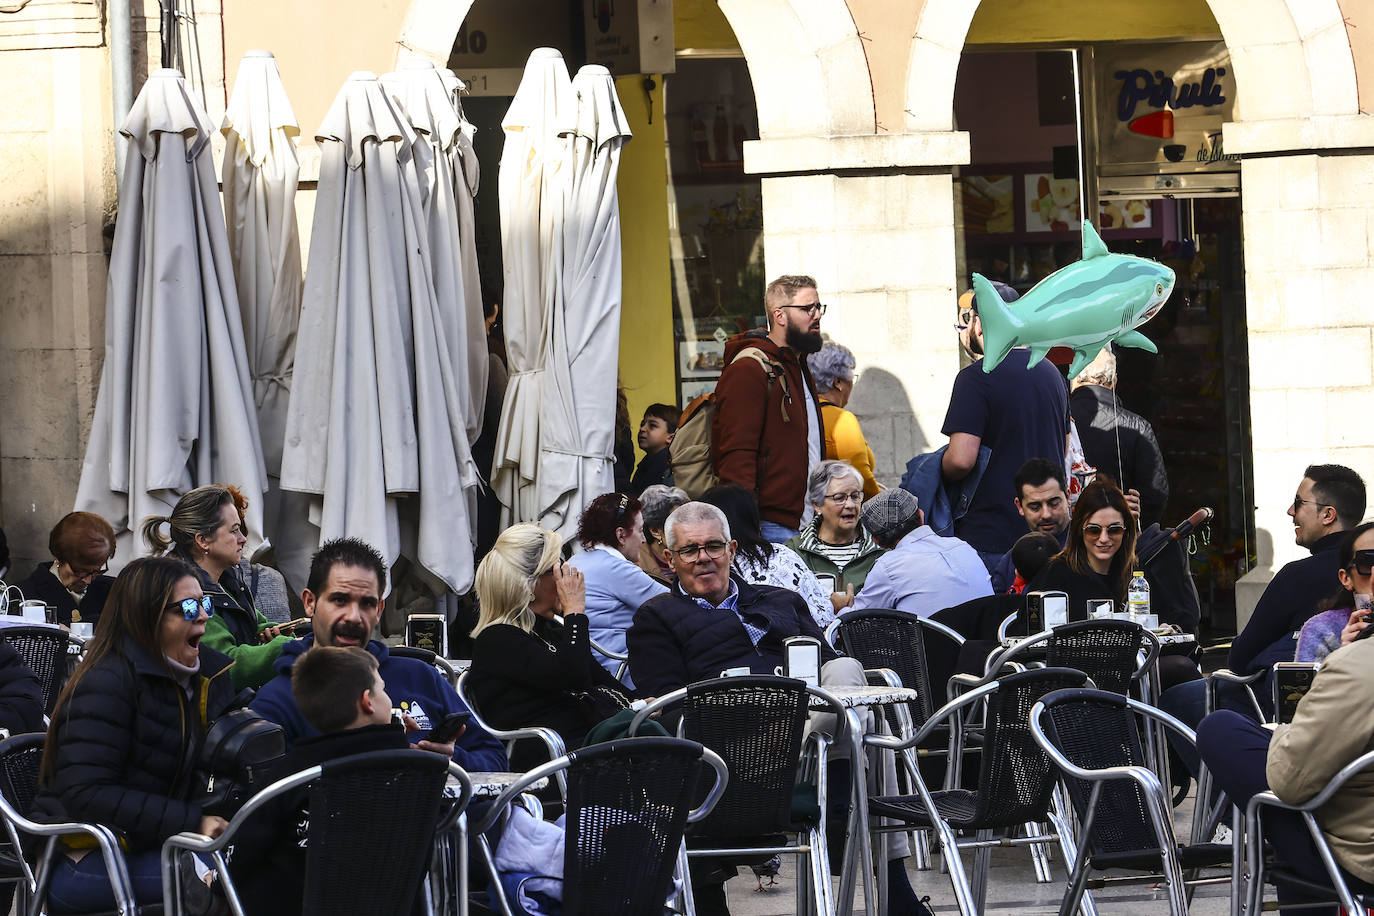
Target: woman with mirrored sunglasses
(1099, 555)
(126, 731)
(1340, 618)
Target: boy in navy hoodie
(344, 698)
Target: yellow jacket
(844, 440)
(1334, 724)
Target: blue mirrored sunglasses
(191, 607)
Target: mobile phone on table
(802, 659)
(1292, 680)
(449, 728)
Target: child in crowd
(656, 432)
(1030, 554)
(341, 694)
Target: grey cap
(889, 515)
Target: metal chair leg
(963, 894)
(920, 850)
(1040, 855)
(982, 859)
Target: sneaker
(1222, 836)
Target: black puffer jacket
(126, 744)
(674, 641)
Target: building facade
(854, 143)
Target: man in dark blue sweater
(344, 599)
(1330, 500)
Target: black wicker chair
(433, 659)
(629, 802)
(757, 725)
(1108, 651)
(1124, 812)
(20, 757)
(44, 650)
(392, 801)
(1015, 783)
(553, 744)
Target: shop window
(715, 214)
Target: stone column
(1309, 280)
(871, 218)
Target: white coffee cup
(34, 609)
(83, 630)
(742, 671)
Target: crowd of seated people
(688, 590)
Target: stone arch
(806, 60)
(1292, 59)
(808, 66)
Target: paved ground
(1012, 889)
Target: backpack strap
(773, 371)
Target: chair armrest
(882, 677)
(1004, 656)
(1227, 676)
(936, 719)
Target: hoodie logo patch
(413, 709)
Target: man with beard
(1042, 500)
(1018, 412)
(343, 598)
(767, 431)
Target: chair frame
(969, 902)
(556, 768)
(106, 841)
(815, 849)
(1157, 801)
(553, 743)
(1254, 837)
(444, 666)
(198, 843)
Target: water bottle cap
(1138, 573)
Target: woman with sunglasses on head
(1340, 619)
(611, 531)
(526, 668)
(204, 529)
(125, 733)
(74, 582)
(1099, 555)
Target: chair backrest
(886, 638)
(627, 809)
(1016, 776)
(981, 618)
(1096, 729)
(756, 724)
(44, 650)
(20, 758)
(387, 803)
(1104, 650)
(438, 662)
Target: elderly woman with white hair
(832, 368)
(833, 545)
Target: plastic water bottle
(1138, 597)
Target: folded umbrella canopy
(175, 409)
(586, 338)
(375, 428)
(429, 103)
(534, 186)
(261, 173)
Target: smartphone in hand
(448, 730)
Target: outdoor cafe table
(853, 698)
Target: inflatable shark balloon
(1083, 306)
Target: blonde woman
(526, 669)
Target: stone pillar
(55, 129)
(879, 239)
(1309, 277)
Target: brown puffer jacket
(758, 433)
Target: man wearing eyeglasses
(767, 431)
(1329, 500)
(713, 624)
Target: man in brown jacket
(767, 432)
(1334, 725)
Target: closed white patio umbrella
(375, 429)
(429, 103)
(586, 342)
(533, 194)
(175, 409)
(260, 176)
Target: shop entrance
(1042, 146)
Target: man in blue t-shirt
(1016, 412)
